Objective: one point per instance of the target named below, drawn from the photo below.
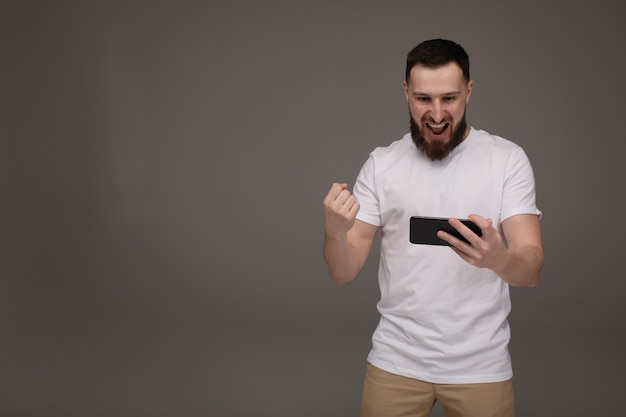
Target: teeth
(439, 126)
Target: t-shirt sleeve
(366, 195)
(519, 187)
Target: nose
(437, 111)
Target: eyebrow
(451, 93)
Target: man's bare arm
(523, 237)
(347, 241)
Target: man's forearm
(523, 267)
(341, 258)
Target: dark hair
(436, 53)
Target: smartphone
(423, 230)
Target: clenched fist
(340, 210)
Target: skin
(347, 241)
(435, 96)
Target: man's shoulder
(485, 138)
(394, 149)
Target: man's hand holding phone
(486, 251)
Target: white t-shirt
(442, 319)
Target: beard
(437, 150)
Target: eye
(449, 99)
(422, 99)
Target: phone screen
(423, 230)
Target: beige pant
(390, 395)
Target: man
(443, 332)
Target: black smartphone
(423, 230)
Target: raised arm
(347, 241)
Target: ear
(406, 90)
(470, 86)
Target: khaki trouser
(390, 395)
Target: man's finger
(485, 225)
(344, 202)
(335, 190)
(465, 231)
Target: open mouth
(437, 129)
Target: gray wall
(163, 167)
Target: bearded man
(443, 333)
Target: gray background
(163, 169)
